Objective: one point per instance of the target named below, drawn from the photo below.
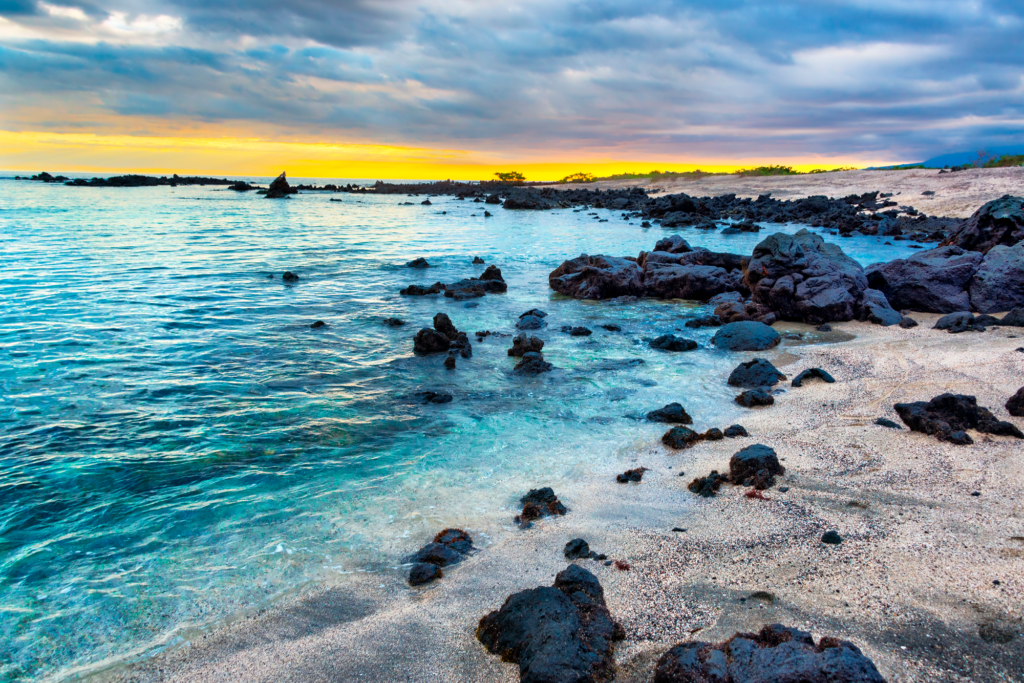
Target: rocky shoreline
(817, 541)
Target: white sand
(910, 584)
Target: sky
(461, 88)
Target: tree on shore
(510, 176)
(578, 178)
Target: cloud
(655, 78)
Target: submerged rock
(755, 373)
(426, 397)
(812, 373)
(670, 342)
(777, 653)
(705, 321)
(393, 322)
(948, 416)
(673, 413)
(530, 322)
(576, 331)
(561, 634)
(418, 263)
(523, 344)
(532, 364)
(289, 276)
(755, 397)
(420, 290)
(745, 336)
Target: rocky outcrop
(934, 281)
(560, 634)
(279, 188)
(444, 337)
(999, 222)
(998, 285)
(430, 341)
(449, 547)
(777, 653)
(745, 336)
(418, 263)
(693, 274)
(804, 278)
(597, 277)
(948, 416)
(755, 373)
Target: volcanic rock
(735, 431)
(532, 364)
(777, 653)
(279, 188)
(430, 341)
(934, 281)
(577, 549)
(1015, 406)
(745, 336)
(670, 342)
(755, 373)
(634, 475)
(418, 263)
(948, 416)
(680, 437)
(522, 344)
(563, 634)
(539, 503)
(673, 413)
(999, 283)
(708, 486)
(597, 277)
(812, 373)
(999, 222)
(755, 397)
(755, 462)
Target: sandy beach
(931, 561)
(956, 194)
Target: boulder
(670, 342)
(999, 283)
(474, 288)
(812, 373)
(752, 398)
(755, 462)
(744, 311)
(875, 308)
(444, 325)
(418, 263)
(680, 437)
(948, 416)
(577, 549)
(430, 341)
(448, 547)
(530, 322)
(532, 364)
(1015, 406)
(745, 336)
(999, 222)
(673, 244)
(634, 475)
(492, 274)
(597, 277)
(705, 321)
(707, 487)
(289, 276)
(777, 653)
(560, 634)
(961, 321)
(934, 281)
(755, 373)
(424, 572)
(673, 413)
(1014, 318)
(692, 282)
(523, 344)
(805, 278)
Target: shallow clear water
(178, 445)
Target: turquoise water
(177, 445)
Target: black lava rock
(424, 572)
(735, 431)
(1015, 406)
(812, 373)
(705, 321)
(634, 475)
(670, 342)
(523, 344)
(559, 634)
(907, 322)
(755, 397)
(426, 397)
(418, 263)
(948, 416)
(289, 276)
(707, 487)
(777, 653)
(430, 341)
(831, 538)
(532, 364)
(755, 373)
(680, 437)
(885, 422)
(961, 321)
(746, 466)
(530, 322)
(477, 261)
(576, 331)
(577, 549)
(746, 335)
(540, 503)
(393, 322)
(318, 324)
(673, 413)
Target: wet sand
(956, 195)
(912, 584)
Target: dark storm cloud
(723, 77)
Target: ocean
(179, 446)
